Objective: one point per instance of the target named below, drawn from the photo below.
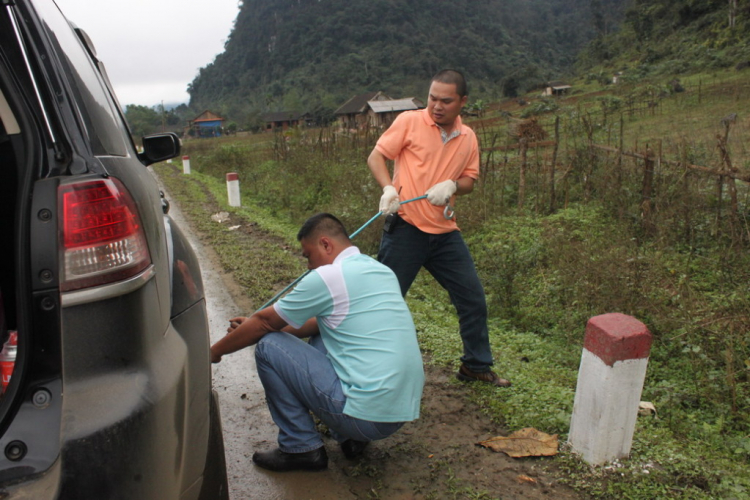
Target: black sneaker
(280, 461)
(353, 449)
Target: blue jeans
(446, 257)
(298, 378)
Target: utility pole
(163, 119)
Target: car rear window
(103, 127)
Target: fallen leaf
(527, 442)
(525, 479)
(646, 408)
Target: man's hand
(243, 332)
(440, 194)
(235, 322)
(389, 202)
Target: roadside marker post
(185, 164)
(233, 189)
(610, 380)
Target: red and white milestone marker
(610, 380)
(233, 189)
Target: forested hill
(674, 37)
(312, 55)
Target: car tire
(215, 485)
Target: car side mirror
(159, 147)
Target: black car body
(110, 395)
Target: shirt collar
(458, 130)
(444, 135)
(347, 252)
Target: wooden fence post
(552, 200)
(618, 175)
(727, 163)
(523, 142)
(647, 202)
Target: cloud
(154, 49)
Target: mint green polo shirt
(368, 331)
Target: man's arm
(464, 185)
(377, 163)
(379, 168)
(309, 329)
(245, 332)
(389, 201)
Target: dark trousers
(446, 257)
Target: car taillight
(102, 238)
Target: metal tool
(449, 212)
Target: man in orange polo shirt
(435, 154)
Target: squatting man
(360, 372)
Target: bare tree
(732, 13)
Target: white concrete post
(233, 189)
(185, 164)
(610, 380)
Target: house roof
(359, 103)
(283, 116)
(207, 116)
(386, 106)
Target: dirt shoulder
(436, 456)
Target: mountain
(312, 55)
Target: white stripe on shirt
(333, 276)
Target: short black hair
(323, 223)
(455, 77)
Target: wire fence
(541, 168)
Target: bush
(544, 105)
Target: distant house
(354, 112)
(206, 124)
(556, 89)
(285, 120)
(382, 113)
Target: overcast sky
(153, 48)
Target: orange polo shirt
(422, 160)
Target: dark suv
(108, 392)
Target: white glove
(389, 202)
(440, 194)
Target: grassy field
(585, 236)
